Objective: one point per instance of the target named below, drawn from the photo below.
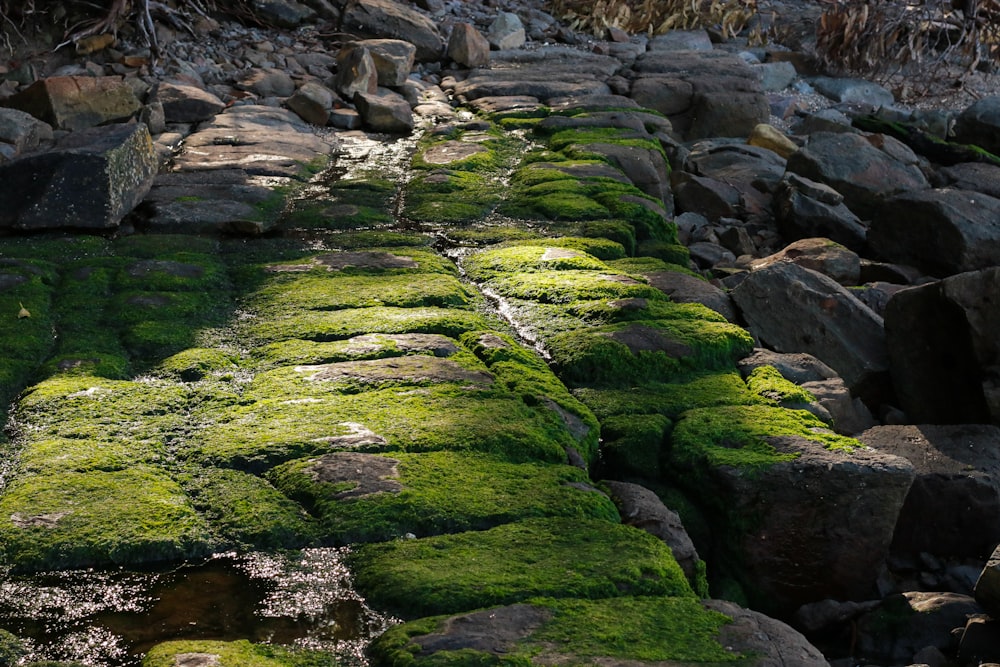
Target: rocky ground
(592, 351)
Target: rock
(850, 415)
(979, 124)
(268, 82)
(384, 111)
(682, 40)
(796, 367)
(987, 589)
(683, 288)
(773, 642)
(186, 104)
(22, 131)
(345, 119)
(263, 141)
(77, 102)
(313, 102)
(708, 197)
(644, 167)
(356, 71)
(944, 351)
(90, 180)
(907, 623)
(704, 93)
(805, 208)
(953, 508)
(824, 120)
(976, 176)
(506, 32)
(771, 138)
(817, 616)
(980, 644)
(643, 509)
(709, 254)
(775, 76)
(865, 175)
(224, 201)
(813, 527)
(794, 309)
(749, 169)
(393, 59)
(858, 91)
(283, 13)
(942, 231)
(467, 47)
(822, 255)
(547, 73)
(385, 18)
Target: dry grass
(655, 16)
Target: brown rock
(77, 102)
(467, 47)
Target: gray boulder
(953, 507)
(183, 103)
(684, 288)
(506, 32)
(22, 131)
(849, 163)
(393, 60)
(795, 309)
(90, 180)
(979, 124)
(857, 91)
(849, 415)
(819, 254)
(77, 102)
(356, 71)
(467, 47)
(283, 13)
(804, 208)
(942, 231)
(944, 350)
(313, 102)
(976, 176)
(796, 367)
(385, 111)
(388, 19)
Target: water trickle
(112, 617)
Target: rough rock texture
(944, 351)
(822, 255)
(77, 102)
(849, 414)
(467, 47)
(796, 367)
(851, 165)
(805, 208)
(643, 509)
(979, 124)
(794, 309)
(21, 132)
(385, 18)
(942, 231)
(91, 180)
(186, 104)
(683, 288)
(393, 60)
(356, 71)
(953, 508)
(384, 111)
(313, 102)
(818, 526)
(753, 633)
(987, 589)
(506, 32)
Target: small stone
(771, 138)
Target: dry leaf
(21, 314)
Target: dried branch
(656, 16)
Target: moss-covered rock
(564, 558)
(239, 653)
(618, 631)
(366, 497)
(81, 519)
(633, 445)
(768, 383)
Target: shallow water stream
(110, 618)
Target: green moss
(440, 492)
(577, 558)
(246, 511)
(569, 285)
(644, 265)
(767, 382)
(312, 214)
(633, 445)
(177, 272)
(98, 518)
(450, 197)
(648, 630)
(197, 363)
(618, 231)
(670, 251)
(500, 262)
(736, 436)
(379, 239)
(664, 349)
(655, 307)
(602, 249)
(53, 456)
(707, 390)
(565, 140)
(12, 649)
(24, 341)
(341, 324)
(239, 653)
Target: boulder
(944, 350)
(22, 131)
(857, 91)
(90, 180)
(708, 197)
(987, 591)
(643, 509)
(183, 103)
(976, 176)
(393, 60)
(684, 288)
(941, 231)
(467, 47)
(269, 82)
(388, 19)
(805, 208)
(356, 71)
(980, 643)
(819, 254)
(794, 309)
(313, 102)
(283, 13)
(979, 124)
(849, 163)
(796, 367)
(506, 32)
(384, 111)
(644, 166)
(907, 623)
(850, 415)
(773, 139)
(741, 165)
(953, 507)
(77, 102)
